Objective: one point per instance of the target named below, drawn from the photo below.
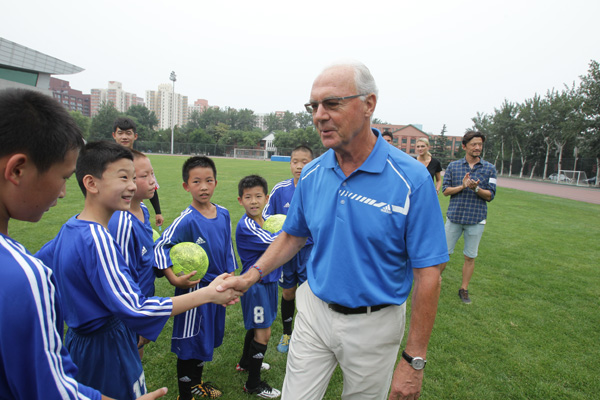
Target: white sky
(435, 62)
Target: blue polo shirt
(466, 207)
(370, 228)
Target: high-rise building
(200, 105)
(162, 101)
(115, 94)
(71, 99)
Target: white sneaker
(263, 367)
(264, 391)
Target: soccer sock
(257, 354)
(185, 373)
(197, 372)
(287, 315)
(247, 343)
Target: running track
(588, 195)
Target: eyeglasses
(330, 104)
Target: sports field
(532, 331)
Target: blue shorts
(108, 360)
(293, 272)
(472, 237)
(197, 332)
(259, 305)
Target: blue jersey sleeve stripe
(46, 315)
(160, 250)
(124, 293)
(260, 233)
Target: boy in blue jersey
(259, 303)
(103, 303)
(198, 332)
(294, 271)
(40, 145)
(133, 232)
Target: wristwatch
(476, 189)
(417, 363)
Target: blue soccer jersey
(200, 330)
(33, 362)
(96, 283)
(135, 239)
(280, 198)
(369, 228)
(252, 241)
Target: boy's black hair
(387, 133)
(95, 157)
(35, 124)
(251, 181)
(124, 124)
(303, 148)
(195, 162)
(472, 134)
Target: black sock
(255, 360)
(287, 315)
(197, 372)
(185, 373)
(247, 343)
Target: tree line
(214, 126)
(541, 129)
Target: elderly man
(374, 216)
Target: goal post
(255, 154)
(571, 177)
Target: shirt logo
(144, 250)
(287, 205)
(200, 241)
(383, 206)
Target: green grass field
(532, 331)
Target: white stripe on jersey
(402, 210)
(124, 294)
(159, 253)
(51, 339)
(124, 229)
(280, 185)
(257, 230)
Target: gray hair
(363, 80)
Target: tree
(143, 116)
(290, 140)
(102, 124)
(379, 121)
(273, 122)
(590, 92)
(438, 147)
(82, 122)
(304, 119)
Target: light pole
(173, 78)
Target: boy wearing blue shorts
(40, 146)
(133, 232)
(103, 303)
(259, 303)
(294, 271)
(199, 331)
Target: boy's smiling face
(201, 185)
(117, 185)
(254, 200)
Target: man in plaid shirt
(471, 183)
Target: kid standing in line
(40, 145)
(103, 303)
(294, 271)
(199, 331)
(259, 303)
(133, 232)
(125, 134)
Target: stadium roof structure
(14, 55)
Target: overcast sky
(435, 62)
